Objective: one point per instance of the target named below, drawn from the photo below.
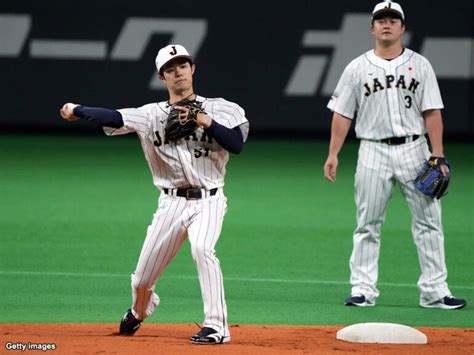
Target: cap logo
(174, 51)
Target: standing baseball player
(189, 172)
(395, 95)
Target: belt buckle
(389, 141)
(190, 192)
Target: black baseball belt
(190, 193)
(396, 140)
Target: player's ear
(403, 28)
(193, 68)
(162, 77)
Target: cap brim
(390, 12)
(176, 57)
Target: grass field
(74, 211)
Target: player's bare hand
(182, 108)
(444, 169)
(67, 112)
(184, 111)
(202, 119)
(330, 168)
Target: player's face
(388, 30)
(178, 75)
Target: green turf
(74, 211)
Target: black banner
(279, 62)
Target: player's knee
(201, 253)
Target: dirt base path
(246, 339)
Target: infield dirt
(246, 339)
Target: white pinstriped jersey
(197, 160)
(388, 97)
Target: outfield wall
(280, 62)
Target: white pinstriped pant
(175, 220)
(379, 167)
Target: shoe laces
(204, 331)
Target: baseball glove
(181, 124)
(431, 180)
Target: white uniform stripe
(156, 254)
(151, 255)
(208, 235)
(203, 236)
(219, 291)
(186, 164)
(220, 280)
(204, 233)
(429, 236)
(378, 165)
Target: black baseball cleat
(448, 302)
(129, 324)
(359, 301)
(208, 336)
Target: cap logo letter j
(173, 52)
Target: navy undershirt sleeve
(229, 138)
(101, 116)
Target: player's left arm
(431, 105)
(434, 127)
(229, 138)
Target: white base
(386, 333)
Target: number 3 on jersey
(408, 101)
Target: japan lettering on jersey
(197, 160)
(387, 97)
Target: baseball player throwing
(396, 96)
(189, 172)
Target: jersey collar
(384, 63)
